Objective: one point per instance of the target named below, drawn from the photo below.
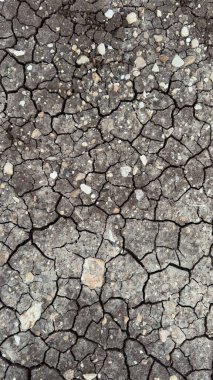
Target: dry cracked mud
(106, 115)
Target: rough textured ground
(106, 189)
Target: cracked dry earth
(106, 189)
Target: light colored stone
(194, 43)
(35, 134)
(89, 376)
(8, 168)
(211, 77)
(132, 18)
(17, 53)
(80, 176)
(155, 68)
(143, 159)
(28, 278)
(96, 78)
(125, 170)
(189, 60)
(184, 31)
(93, 273)
(22, 103)
(177, 61)
(85, 188)
(140, 63)
(109, 14)
(31, 316)
(173, 377)
(163, 334)
(158, 38)
(159, 13)
(54, 175)
(139, 194)
(69, 374)
(163, 58)
(82, 60)
(101, 49)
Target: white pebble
(132, 18)
(82, 60)
(143, 159)
(140, 63)
(177, 61)
(8, 168)
(139, 194)
(89, 376)
(158, 38)
(155, 68)
(125, 170)
(17, 53)
(54, 175)
(184, 31)
(194, 43)
(101, 49)
(109, 14)
(22, 103)
(85, 188)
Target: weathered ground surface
(106, 189)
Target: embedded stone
(93, 273)
(31, 316)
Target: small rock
(109, 14)
(159, 13)
(85, 188)
(89, 376)
(31, 316)
(17, 53)
(211, 77)
(140, 63)
(194, 43)
(164, 58)
(177, 61)
(93, 273)
(163, 334)
(28, 278)
(54, 175)
(189, 60)
(132, 18)
(139, 194)
(36, 134)
(96, 78)
(143, 159)
(22, 103)
(184, 31)
(125, 170)
(116, 87)
(198, 106)
(82, 60)
(8, 168)
(80, 176)
(69, 374)
(158, 38)
(155, 68)
(173, 377)
(101, 49)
